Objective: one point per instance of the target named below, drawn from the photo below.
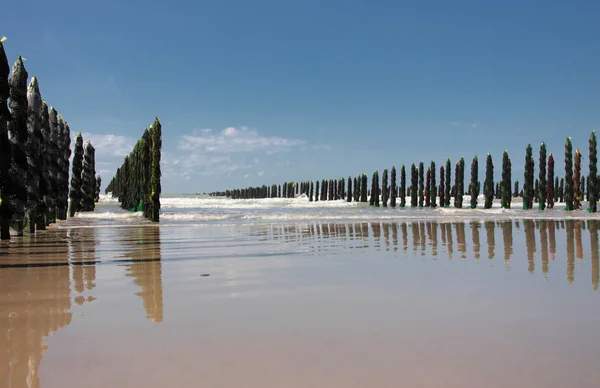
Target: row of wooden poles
(34, 156)
(137, 182)
(423, 191)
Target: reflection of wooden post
(414, 226)
(404, 236)
(422, 235)
(448, 228)
(24, 326)
(376, 228)
(460, 239)
(552, 239)
(593, 227)
(508, 242)
(147, 272)
(395, 236)
(434, 227)
(386, 235)
(544, 246)
(490, 238)
(578, 240)
(475, 236)
(570, 252)
(443, 235)
(429, 233)
(530, 243)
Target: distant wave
(202, 209)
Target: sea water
(292, 293)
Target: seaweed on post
(543, 188)
(577, 181)
(75, 193)
(488, 185)
(550, 183)
(432, 186)
(593, 174)
(474, 185)
(421, 183)
(528, 179)
(506, 185)
(5, 152)
(18, 139)
(568, 179)
(34, 154)
(403, 186)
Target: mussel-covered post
(156, 134)
(550, 183)
(349, 193)
(528, 179)
(593, 174)
(384, 188)
(442, 186)
(393, 187)
(363, 188)
(18, 138)
(542, 191)
(75, 192)
(403, 186)
(506, 185)
(474, 185)
(5, 152)
(577, 181)
(433, 186)
(448, 184)
(488, 185)
(88, 178)
(421, 183)
(568, 185)
(427, 187)
(34, 153)
(414, 181)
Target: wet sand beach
(479, 303)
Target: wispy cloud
(225, 152)
(110, 151)
(109, 144)
(234, 140)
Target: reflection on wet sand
(23, 326)
(433, 239)
(40, 280)
(146, 269)
(43, 283)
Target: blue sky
(260, 92)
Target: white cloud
(110, 151)
(225, 152)
(233, 140)
(109, 144)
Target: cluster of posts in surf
(34, 155)
(423, 190)
(137, 182)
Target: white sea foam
(263, 203)
(109, 215)
(202, 209)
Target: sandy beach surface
(409, 303)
